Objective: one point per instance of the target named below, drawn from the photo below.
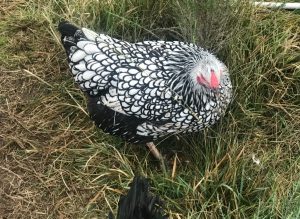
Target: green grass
(56, 164)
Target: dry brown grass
(38, 137)
(52, 164)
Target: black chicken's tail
(139, 203)
(67, 29)
(69, 34)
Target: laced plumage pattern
(145, 90)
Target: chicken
(146, 90)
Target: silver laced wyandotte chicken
(146, 90)
(139, 203)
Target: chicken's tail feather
(139, 203)
(67, 29)
(69, 34)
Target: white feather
(90, 35)
(152, 67)
(94, 66)
(133, 91)
(143, 66)
(87, 75)
(78, 55)
(81, 44)
(81, 66)
(91, 49)
(100, 57)
(135, 109)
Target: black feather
(115, 123)
(67, 29)
(69, 36)
(139, 203)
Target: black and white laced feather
(146, 90)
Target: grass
(56, 164)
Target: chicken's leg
(155, 152)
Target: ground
(55, 164)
